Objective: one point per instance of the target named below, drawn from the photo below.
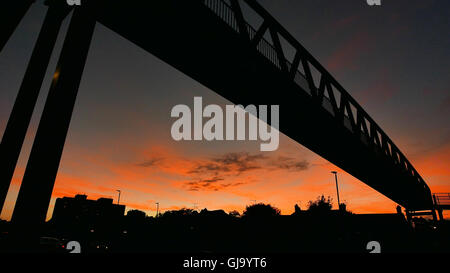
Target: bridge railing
(321, 86)
(441, 199)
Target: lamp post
(118, 200)
(337, 187)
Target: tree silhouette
(178, 213)
(234, 213)
(321, 205)
(297, 210)
(137, 214)
(261, 210)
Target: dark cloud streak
(150, 162)
(209, 175)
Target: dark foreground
(214, 232)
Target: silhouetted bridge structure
(214, 42)
(441, 203)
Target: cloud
(212, 174)
(149, 162)
(210, 185)
(222, 172)
(209, 167)
(289, 163)
(241, 162)
(230, 163)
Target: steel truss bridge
(213, 42)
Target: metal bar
(260, 33)
(332, 99)
(239, 17)
(350, 116)
(321, 90)
(295, 64)
(308, 76)
(278, 49)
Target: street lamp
(337, 188)
(118, 200)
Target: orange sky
(162, 172)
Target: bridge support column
(22, 111)
(433, 212)
(408, 216)
(438, 208)
(38, 181)
(11, 13)
(441, 214)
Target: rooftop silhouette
(100, 226)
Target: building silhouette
(81, 209)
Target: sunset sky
(394, 60)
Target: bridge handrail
(232, 15)
(441, 199)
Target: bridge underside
(192, 38)
(188, 36)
